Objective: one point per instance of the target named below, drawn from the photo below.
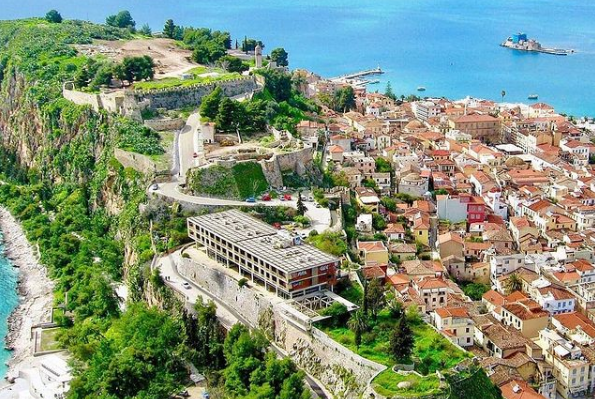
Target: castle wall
(297, 161)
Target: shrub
(242, 282)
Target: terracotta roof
(582, 265)
(475, 118)
(335, 149)
(394, 228)
(371, 272)
(371, 246)
(575, 319)
(526, 309)
(519, 389)
(567, 277)
(430, 283)
(450, 236)
(494, 297)
(403, 248)
(452, 312)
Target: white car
(154, 187)
(186, 285)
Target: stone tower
(258, 56)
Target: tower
(258, 56)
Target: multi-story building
(505, 264)
(573, 372)
(425, 110)
(479, 126)
(460, 208)
(433, 291)
(456, 324)
(526, 316)
(280, 262)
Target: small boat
(421, 88)
(533, 97)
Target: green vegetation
(49, 339)
(169, 83)
(82, 209)
(472, 383)
(383, 166)
(279, 56)
(386, 384)
(343, 99)
(332, 243)
(123, 20)
(243, 180)
(53, 16)
(474, 290)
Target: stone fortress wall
(131, 102)
(343, 373)
(296, 161)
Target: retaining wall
(164, 124)
(343, 373)
(297, 161)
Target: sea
(451, 47)
(8, 302)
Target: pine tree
(301, 208)
(389, 91)
(401, 341)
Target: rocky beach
(35, 294)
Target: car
(282, 198)
(318, 206)
(205, 395)
(154, 187)
(186, 285)
(266, 197)
(287, 197)
(251, 200)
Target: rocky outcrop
(299, 162)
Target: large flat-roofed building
(273, 258)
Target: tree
(210, 103)
(401, 341)
(146, 30)
(513, 283)
(278, 83)
(169, 28)
(378, 221)
(227, 115)
(338, 314)
(389, 91)
(279, 56)
(475, 290)
(383, 166)
(344, 99)
(123, 19)
(53, 16)
(358, 323)
(135, 69)
(232, 64)
(374, 297)
(301, 207)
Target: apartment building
(526, 316)
(275, 259)
(456, 324)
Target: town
(386, 246)
(471, 219)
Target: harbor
(356, 78)
(519, 41)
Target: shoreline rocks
(35, 294)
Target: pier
(375, 71)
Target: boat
(421, 88)
(533, 97)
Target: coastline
(35, 291)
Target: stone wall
(298, 162)
(165, 124)
(181, 97)
(138, 162)
(343, 373)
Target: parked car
(186, 285)
(154, 187)
(250, 199)
(287, 197)
(266, 197)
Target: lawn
(431, 351)
(168, 83)
(386, 384)
(49, 342)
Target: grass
(168, 83)
(49, 341)
(353, 293)
(386, 384)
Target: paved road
(227, 316)
(186, 147)
(321, 217)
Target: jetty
(356, 75)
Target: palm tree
(502, 94)
(358, 323)
(514, 283)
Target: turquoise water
(8, 301)
(450, 47)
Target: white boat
(421, 88)
(533, 97)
